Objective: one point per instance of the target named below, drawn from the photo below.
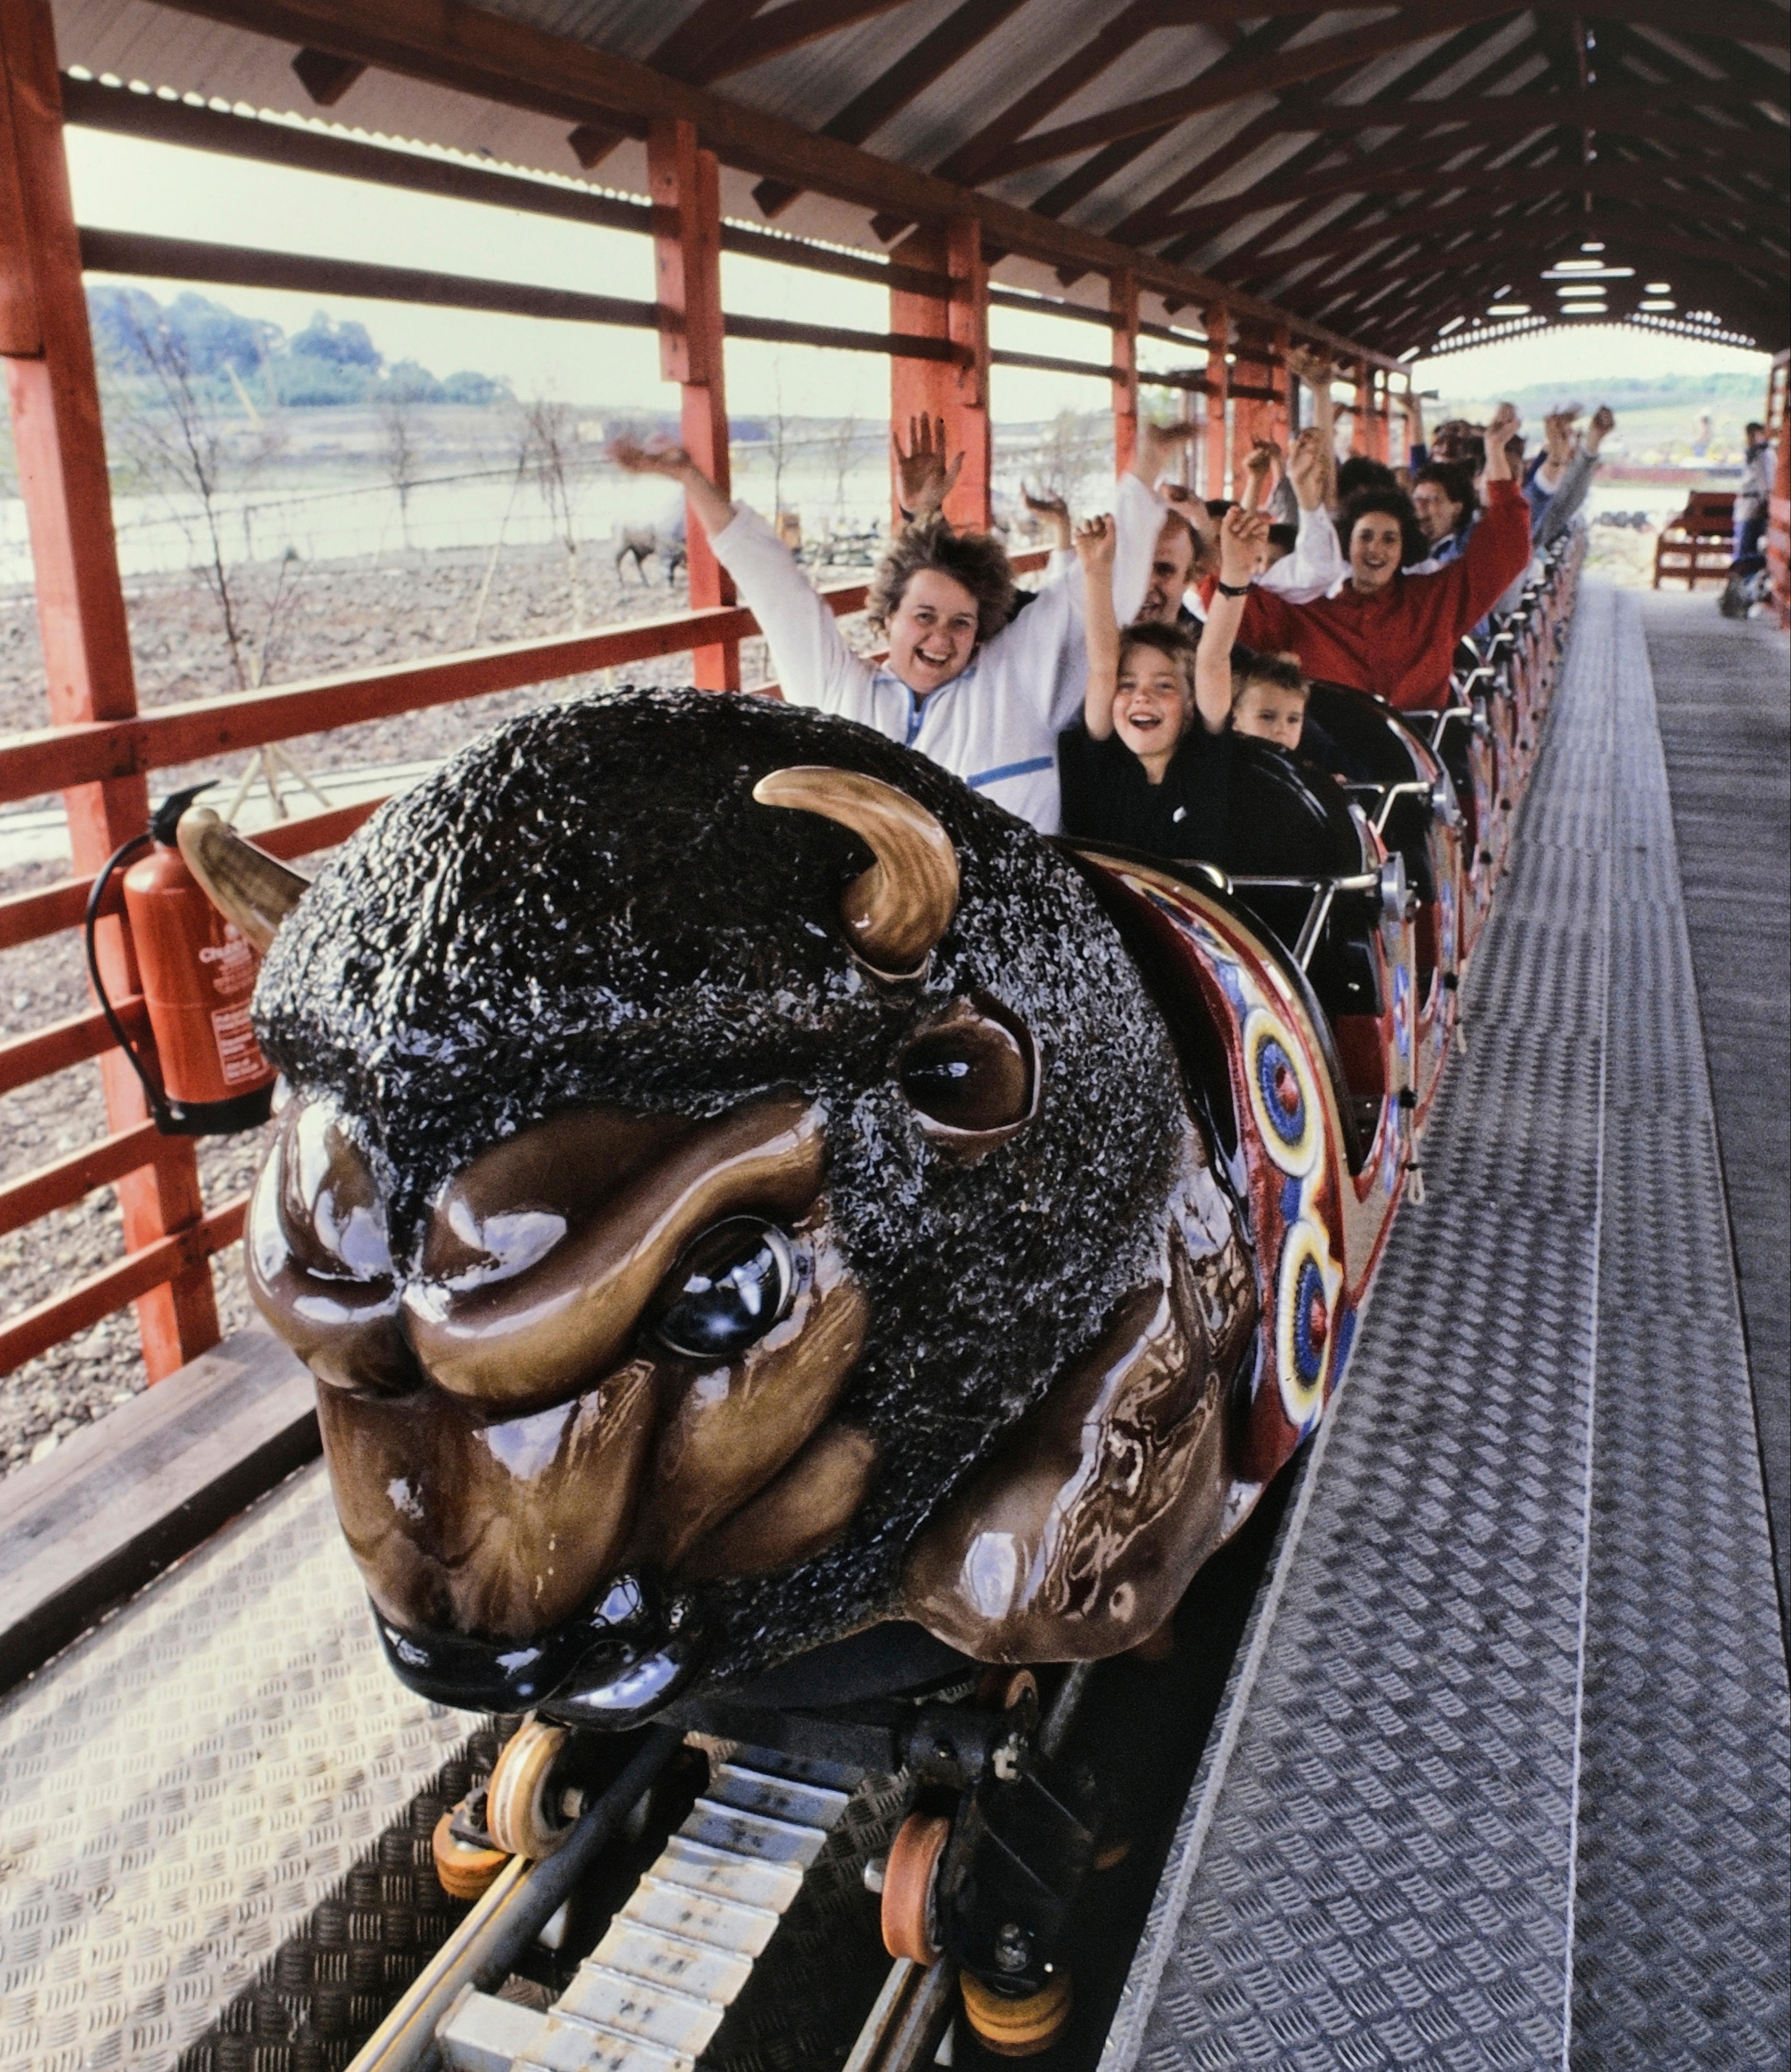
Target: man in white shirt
(983, 693)
(1187, 539)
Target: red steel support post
(1252, 418)
(1218, 335)
(958, 390)
(1122, 289)
(684, 187)
(1281, 410)
(54, 397)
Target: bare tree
(1067, 454)
(400, 452)
(165, 417)
(839, 445)
(547, 436)
(778, 440)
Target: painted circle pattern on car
(1306, 1283)
(1286, 1106)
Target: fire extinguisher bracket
(198, 973)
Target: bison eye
(730, 1287)
(973, 1075)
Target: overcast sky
(124, 183)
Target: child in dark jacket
(1145, 768)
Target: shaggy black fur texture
(587, 905)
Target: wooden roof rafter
(1213, 88)
(1137, 225)
(512, 62)
(1553, 111)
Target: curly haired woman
(978, 688)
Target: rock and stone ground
(331, 618)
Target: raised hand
(656, 456)
(1308, 467)
(1312, 367)
(1048, 505)
(1243, 536)
(1505, 425)
(1156, 444)
(923, 480)
(1094, 544)
(1602, 421)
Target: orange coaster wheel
(522, 1814)
(1016, 2029)
(910, 1926)
(465, 1869)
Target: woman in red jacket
(1395, 634)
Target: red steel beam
(60, 449)
(69, 1041)
(67, 1180)
(184, 1256)
(684, 183)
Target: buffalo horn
(244, 883)
(898, 909)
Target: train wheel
(1016, 2029)
(465, 1869)
(910, 1925)
(521, 1814)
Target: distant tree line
(325, 363)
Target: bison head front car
(733, 1191)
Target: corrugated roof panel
(1025, 49)
(807, 85)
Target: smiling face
(932, 631)
(1377, 546)
(1172, 570)
(1437, 515)
(662, 1269)
(1150, 707)
(1269, 712)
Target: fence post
(1218, 389)
(958, 393)
(1122, 289)
(684, 185)
(53, 394)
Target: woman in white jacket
(981, 690)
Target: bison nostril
(729, 1288)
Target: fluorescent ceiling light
(1455, 323)
(1578, 266)
(1591, 248)
(1585, 310)
(1657, 306)
(1508, 309)
(1658, 288)
(1567, 294)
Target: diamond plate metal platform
(180, 1789)
(1503, 1775)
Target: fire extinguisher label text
(238, 1052)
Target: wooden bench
(1698, 543)
(122, 1498)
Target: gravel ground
(333, 618)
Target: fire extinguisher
(199, 972)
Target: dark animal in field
(735, 1189)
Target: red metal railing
(56, 758)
